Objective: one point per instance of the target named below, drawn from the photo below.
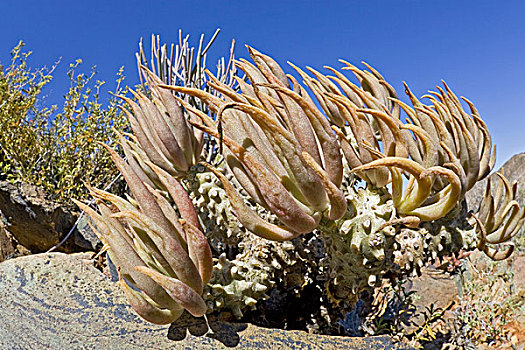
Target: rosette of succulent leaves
(381, 184)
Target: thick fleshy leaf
(499, 254)
(275, 69)
(446, 202)
(249, 218)
(176, 122)
(171, 249)
(279, 201)
(430, 147)
(327, 140)
(415, 197)
(495, 253)
(395, 142)
(146, 309)
(179, 196)
(211, 100)
(179, 291)
(132, 160)
(162, 134)
(305, 178)
(505, 231)
(127, 259)
(336, 197)
(148, 141)
(199, 250)
(363, 134)
(144, 198)
(169, 212)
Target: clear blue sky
(478, 47)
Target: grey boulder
(59, 301)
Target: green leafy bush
(55, 148)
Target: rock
(35, 221)
(433, 287)
(83, 235)
(514, 168)
(38, 223)
(59, 301)
(7, 246)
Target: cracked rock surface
(35, 221)
(59, 301)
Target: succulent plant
(499, 218)
(154, 237)
(281, 151)
(383, 192)
(266, 152)
(164, 260)
(161, 134)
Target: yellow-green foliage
(55, 148)
(19, 89)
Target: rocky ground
(61, 301)
(483, 303)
